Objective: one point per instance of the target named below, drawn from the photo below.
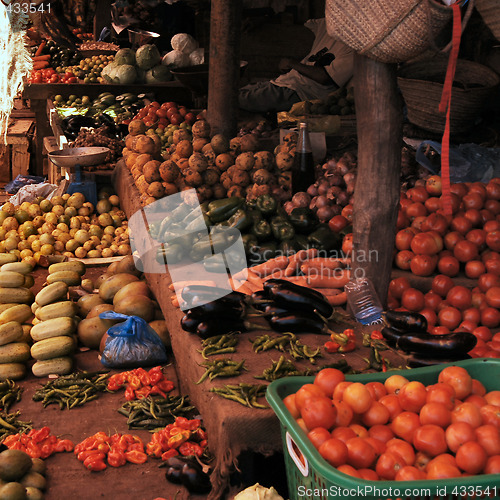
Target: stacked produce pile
(101, 136)
(216, 166)
(65, 226)
(15, 301)
(55, 323)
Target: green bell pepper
(282, 229)
(221, 210)
(325, 239)
(239, 220)
(267, 204)
(249, 241)
(170, 254)
(288, 247)
(214, 266)
(211, 244)
(262, 230)
(303, 220)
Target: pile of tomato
(455, 308)
(468, 240)
(50, 75)
(159, 116)
(401, 430)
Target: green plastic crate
(310, 477)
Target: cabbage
(125, 74)
(158, 74)
(258, 492)
(108, 72)
(197, 57)
(147, 56)
(125, 56)
(175, 59)
(184, 43)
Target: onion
(333, 192)
(343, 198)
(342, 167)
(349, 177)
(312, 190)
(349, 187)
(350, 159)
(335, 180)
(323, 187)
(288, 206)
(325, 213)
(322, 201)
(329, 166)
(301, 199)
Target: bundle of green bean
(282, 368)
(72, 390)
(221, 368)
(10, 424)
(152, 413)
(288, 341)
(219, 344)
(10, 393)
(245, 394)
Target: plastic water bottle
(363, 301)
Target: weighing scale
(75, 158)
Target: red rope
(445, 106)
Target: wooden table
(38, 93)
(15, 153)
(232, 428)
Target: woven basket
(421, 84)
(389, 31)
(490, 12)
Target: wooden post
(224, 66)
(102, 17)
(379, 126)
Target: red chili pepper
(350, 333)
(143, 376)
(156, 390)
(165, 385)
(155, 375)
(376, 335)
(350, 346)
(64, 445)
(190, 448)
(116, 381)
(129, 394)
(87, 453)
(40, 435)
(136, 447)
(95, 463)
(384, 364)
(331, 346)
(143, 392)
(134, 382)
(155, 449)
(10, 440)
(136, 457)
(46, 450)
(169, 454)
(33, 450)
(116, 457)
(189, 425)
(176, 440)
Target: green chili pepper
(303, 220)
(169, 254)
(262, 230)
(282, 229)
(220, 210)
(323, 238)
(288, 247)
(239, 220)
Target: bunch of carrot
(327, 276)
(41, 61)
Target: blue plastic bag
(131, 343)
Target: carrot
(44, 57)
(338, 280)
(270, 266)
(244, 289)
(252, 286)
(181, 284)
(294, 262)
(276, 275)
(40, 48)
(337, 300)
(328, 292)
(328, 262)
(175, 301)
(254, 279)
(40, 64)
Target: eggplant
(298, 297)
(217, 308)
(192, 294)
(392, 335)
(273, 310)
(416, 361)
(189, 324)
(302, 322)
(406, 320)
(216, 326)
(454, 344)
(187, 471)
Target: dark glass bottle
(303, 167)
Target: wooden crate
(15, 155)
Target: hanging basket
(490, 12)
(389, 31)
(421, 84)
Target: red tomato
(450, 317)
(327, 379)
(491, 225)
(381, 432)
(423, 265)
(343, 433)
(389, 464)
(412, 396)
(337, 223)
(474, 269)
(417, 194)
(493, 190)
(430, 439)
(459, 297)
(435, 414)
(490, 317)
(176, 119)
(424, 243)
(377, 414)
(358, 397)
(433, 185)
(492, 465)
(307, 391)
(391, 402)
(405, 424)
(458, 433)
(436, 222)
(334, 451)
(492, 266)
(289, 402)
(432, 204)
(483, 333)
(441, 285)
(490, 415)
(416, 210)
(459, 188)
(398, 285)
(360, 453)
(487, 280)
(412, 299)
(474, 216)
(318, 412)
(344, 413)
(467, 412)
(489, 438)
(439, 330)
(461, 224)
(455, 202)
(404, 237)
(448, 265)
(471, 457)
(465, 250)
(492, 206)
(430, 315)
(458, 378)
(493, 297)
(318, 436)
(493, 240)
(473, 200)
(452, 238)
(432, 300)
(478, 237)
(403, 259)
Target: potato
(211, 176)
(197, 162)
(241, 178)
(98, 309)
(91, 330)
(113, 284)
(245, 161)
(156, 190)
(264, 159)
(136, 305)
(131, 289)
(87, 302)
(284, 161)
(169, 171)
(201, 128)
(151, 171)
(184, 148)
